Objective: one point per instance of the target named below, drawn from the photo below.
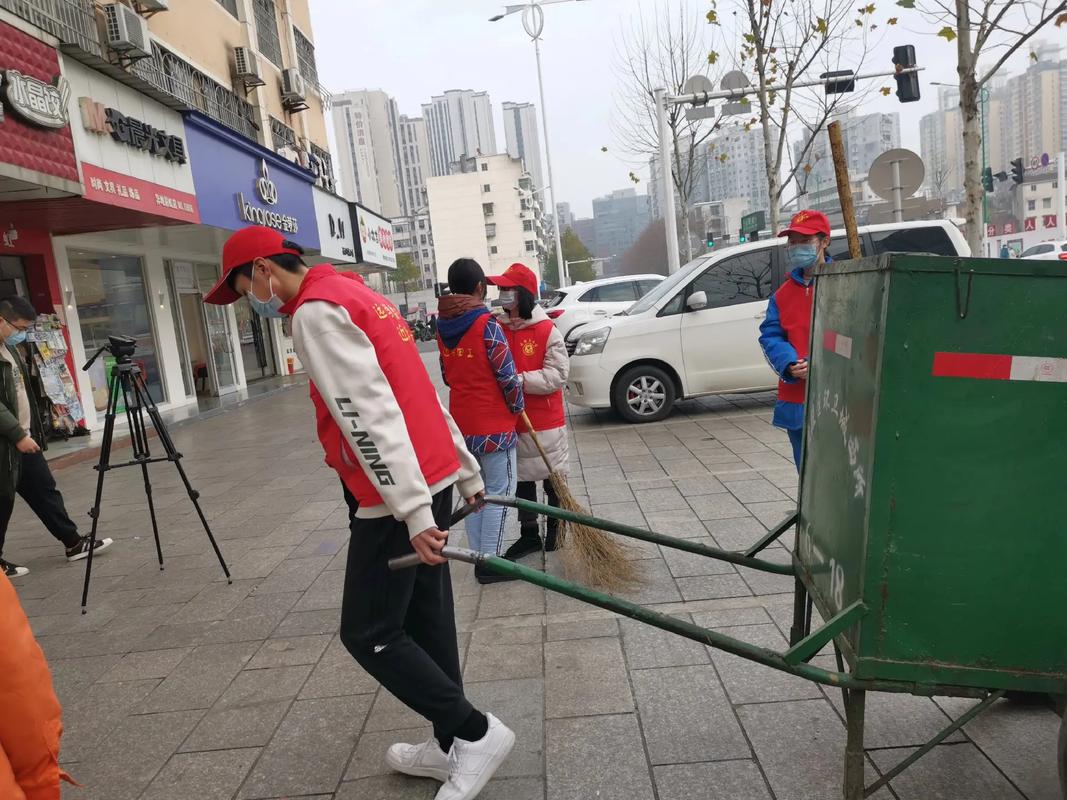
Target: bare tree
(664, 54)
(783, 43)
(993, 30)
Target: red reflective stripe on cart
(837, 343)
(988, 366)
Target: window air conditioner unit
(127, 32)
(294, 90)
(246, 66)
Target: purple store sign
(240, 183)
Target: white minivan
(697, 332)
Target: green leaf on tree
(604, 149)
(713, 17)
(891, 21)
(885, 90)
(713, 57)
(1061, 20)
(947, 33)
(1033, 56)
(906, 3)
(820, 26)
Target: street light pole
(666, 183)
(533, 21)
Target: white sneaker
(472, 764)
(426, 760)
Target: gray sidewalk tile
(368, 759)
(749, 682)
(389, 714)
(755, 491)
(337, 674)
(519, 705)
(205, 776)
(717, 506)
(585, 677)
(705, 587)
(311, 748)
(386, 787)
(143, 665)
(513, 789)
(597, 757)
(288, 652)
(91, 715)
(583, 629)
(200, 678)
(648, 647)
(900, 720)
(685, 716)
(683, 564)
(735, 534)
(293, 575)
(949, 772)
(497, 662)
(724, 780)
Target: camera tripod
(127, 384)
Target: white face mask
(509, 298)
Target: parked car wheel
(644, 393)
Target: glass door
(217, 329)
(257, 342)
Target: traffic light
(987, 179)
(907, 82)
(710, 236)
(1017, 171)
(741, 238)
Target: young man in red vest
(485, 397)
(399, 455)
(785, 334)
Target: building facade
(866, 136)
(488, 210)
(618, 219)
(523, 138)
(459, 123)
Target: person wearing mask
(399, 456)
(541, 359)
(485, 398)
(785, 333)
(23, 468)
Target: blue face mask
(801, 256)
(272, 307)
(18, 337)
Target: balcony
(73, 22)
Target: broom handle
(536, 441)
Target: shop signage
(11, 235)
(96, 117)
(105, 186)
(333, 215)
(38, 103)
(1030, 224)
(240, 183)
(374, 237)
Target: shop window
(112, 299)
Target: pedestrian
(399, 455)
(1005, 251)
(785, 333)
(23, 468)
(541, 359)
(31, 724)
(433, 324)
(485, 398)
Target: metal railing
(70, 21)
(170, 74)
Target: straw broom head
(590, 555)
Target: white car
(1047, 251)
(697, 332)
(591, 301)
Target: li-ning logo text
(365, 445)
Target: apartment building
(459, 124)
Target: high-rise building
(865, 137)
(414, 163)
(487, 209)
(735, 168)
(585, 230)
(566, 216)
(459, 123)
(618, 219)
(523, 138)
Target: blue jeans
(485, 529)
(795, 438)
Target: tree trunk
(973, 191)
(771, 164)
(681, 184)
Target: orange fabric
(30, 725)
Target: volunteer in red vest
(785, 334)
(485, 397)
(399, 456)
(541, 359)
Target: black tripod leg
(152, 514)
(101, 468)
(194, 495)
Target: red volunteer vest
(528, 347)
(475, 400)
(794, 310)
(399, 359)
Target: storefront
(240, 183)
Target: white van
(697, 332)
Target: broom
(590, 555)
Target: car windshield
(554, 299)
(667, 287)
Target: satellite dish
(735, 79)
(912, 172)
(698, 84)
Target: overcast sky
(417, 48)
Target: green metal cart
(937, 567)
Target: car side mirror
(697, 301)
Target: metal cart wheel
(1062, 756)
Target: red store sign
(29, 66)
(105, 186)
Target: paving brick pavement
(177, 685)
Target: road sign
(880, 177)
(735, 80)
(756, 221)
(694, 113)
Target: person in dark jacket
(23, 469)
(785, 333)
(485, 399)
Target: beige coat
(552, 377)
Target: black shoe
(528, 542)
(484, 576)
(12, 570)
(81, 549)
(552, 536)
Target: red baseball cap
(244, 247)
(516, 275)
(808, 223)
